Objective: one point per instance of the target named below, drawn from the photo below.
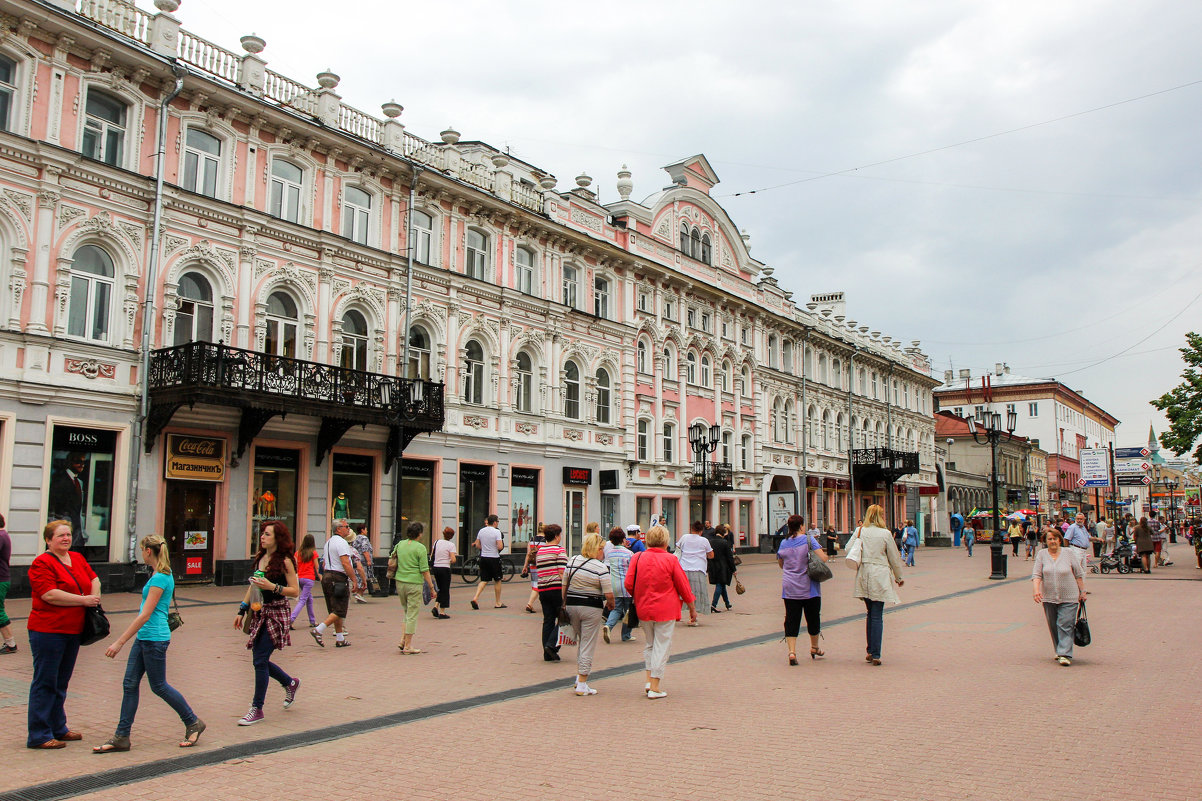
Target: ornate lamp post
(1038, 496)
(1171, 485)
(993, 433)
(703, 440)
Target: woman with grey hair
(587, 594)
(1056, 570)
(658, 586)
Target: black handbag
(632, 615)
(174, 619)
(95, 621)
(1081, 635)
(818, 570)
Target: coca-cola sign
(195, 458)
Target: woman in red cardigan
(658, 586)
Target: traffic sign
(1133, 480)
(1131, 466)
(1095, 467)
(1081, 482)
(1132, 453)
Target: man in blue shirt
(633, 540)
(910, 540)
(1077, 538)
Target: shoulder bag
(562, 618)
(95, 621)
(632, 614)
(739, 588)
(174, 619)
(854, 553)
(1081, 635)
(816, 569)
(390, 573)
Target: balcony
(882, 464)
(263, 386)
(713, 476)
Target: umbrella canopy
(1016, 516)
(1027, 512)
(983, 513)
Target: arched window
(477, 254)
(601, 298)
(571, 286)
(423, 235)
(690, 367)
(839, 433)
(790, 421)
(640, 358)
(746, 392)
(8, 91)
(773, 344)
(354, 341)
(524, 262)
(669, 364)
(724, 376)
(202, 155)
(571, 395)
(778, 426)
(194, 315)
(473, 374)
(811, 428)
(282, 325)
(745, 452)
(104, 128)
(92, 274)
(525, 383)
(286, 186)
(695, 244)
(419, 354)
(669, 442)
(826, 430)
(603, 397)
(837, 374)
(356, 214)
(706, 249)
(685, 247)
(643, 442)
(706, 379)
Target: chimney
(1006, 369)
(965, 373)
(949, 376)
(997, 368)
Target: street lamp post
(703, 440)
(993, 433)
(1038, 497)
(1171, 485)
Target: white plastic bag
(567, 636)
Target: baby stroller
(1123, 558)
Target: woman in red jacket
(658, 586)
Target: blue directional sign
(1131, 453)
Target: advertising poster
(80, 490)
(780, 506)
(196, 540)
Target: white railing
(356, 123)
(120, 15)
(209, 57)
(477, 175)
(527, 197)
(288, 92)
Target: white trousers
(657, 640)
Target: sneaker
(584, 689)
(653, 694)
(8, 649)
(317, 636)
(1064, 660)
(359, 599)
(290, 692)
(252, 717)
(605, 634)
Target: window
(570, 284)
(787, 359)
(895, 392)
(669, 365)
(837, 373)
(1011, 409)
(684, 239)
(202, 155)
(669, 444)
(706, 380)
(745, 452)
(419, 354)
(863, 382)
(778, 424)
(669, 310)
(727, 444)
(603, 397)
(281, 326)
(423, 235)
(725, 329)
(823, 375)
(194, 315)
(286, 180)
(706, 322)
(601, 298)
(1032, 409)
(104, 128)
(524, 259)
(706, 249)
(695, 244)
(473, 374)
(746, 391)
(744, 335)
(790, 421)
(690, 369)
(92, 274)
(772, 346)
(354, 341)
(571, 394)
(874, 391)
(525, 382)
(724, 377)
(644, 302)
(642, 440)
(958, 411)
(477, 255)
(356, 213)
(8, 88)
(640, 363)
(691, 318)
(826, 430)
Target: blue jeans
(910, 555)
(53, 662)
(875, 626)
(720, 591)
(149, 658)
(264, 667)
(968, 542)
(621, 607)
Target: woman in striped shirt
(549, 562)
(587, 594)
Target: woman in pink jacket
(658, 587)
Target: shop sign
(195, 458)
(580, 476)
(194, 565)
(196, 540)
(609, 480)
(411, 468)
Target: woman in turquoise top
(148, 655)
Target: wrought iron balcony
(716, 476)
(263, 386)
(887, 464)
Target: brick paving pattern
(967, 705)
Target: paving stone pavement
(968, 702)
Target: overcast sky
(1050, 248)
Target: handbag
(95, 621)
(738, 560)
(390, 573)
(739, 588)
(174, 619)
(632, 616)
(816, 569)
(1081, 635)
(427, 596)
(855, 551)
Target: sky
(1013, 182)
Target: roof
(1008, 380)
(948, 424)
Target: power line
(1142, 341)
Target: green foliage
(1182, 405)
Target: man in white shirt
(336, 580)
(489, 542)
(694, 550)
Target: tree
(1182, 405)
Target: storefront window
(274, 492)
(724, 516)
(643, 512)
(744, 521)
(609, 513)
(667, 517)
(417, 497)
(351, 489)
(81, 486)
(523, 516)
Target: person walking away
(148, 654)
(658, 585)
(970, 537)
(528, 568)
(362, 545)
(634, 539)
(695, 552)
(587, 595)
(1159, 539)
(6, 628)
(412, 571)
(550, 561)
(1053, 578)
(308, 573)
(1015, 532)
(1032, 534)
(444, 556)
(618, 560)
(801, 596)
(880, 567)
(269, 625)
(490, 542)
(721, 568)
(910, 539)
(1077, 538)
(1144, 545)
(336, 581)
(61, 585)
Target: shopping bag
(567, 636)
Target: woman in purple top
(799, 593)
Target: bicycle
(470, 572)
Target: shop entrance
(574, 522)
(188, 526)
(474, 498)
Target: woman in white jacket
(880, 567)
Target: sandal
(113, 743)
(197, 729)
(816, 652)
(531, 611)
(792, 658)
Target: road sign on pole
(1132, 453)
(1095, 467)
(1133, 480)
